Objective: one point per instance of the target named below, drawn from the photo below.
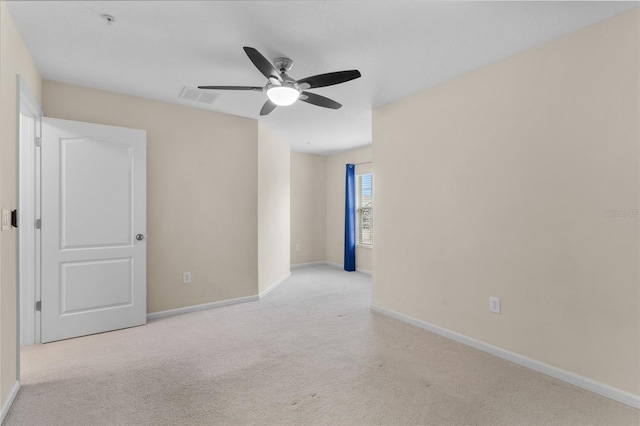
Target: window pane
(364, 205)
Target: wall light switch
(6, 220)
(494, 305)
(186, 277)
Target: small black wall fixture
(14, 218)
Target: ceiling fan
(283, 90)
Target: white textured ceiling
(155, 48)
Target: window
(364, 209)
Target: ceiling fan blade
(262, 63)
(328, 79)
(267, 107)
(312, 98)
(254, 88)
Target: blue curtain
(350, 220)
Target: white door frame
(28, 282)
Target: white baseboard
(558, 373)
(326, 262)
(6, 406)
(338, 265)
(304, 265)
(203, 307)
(274, 285)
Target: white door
(93, 226)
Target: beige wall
(497, 184)
(202, 192)
(308, 208)
(274, 193)
(335, 207)
(14, 60)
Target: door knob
(139, 237)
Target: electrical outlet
(297, 247)
(494, 305)
(186, 277)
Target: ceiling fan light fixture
(283, 95)
(283, 90)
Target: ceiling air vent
(197, 95)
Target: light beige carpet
(310, 353)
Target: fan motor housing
(283, 64)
